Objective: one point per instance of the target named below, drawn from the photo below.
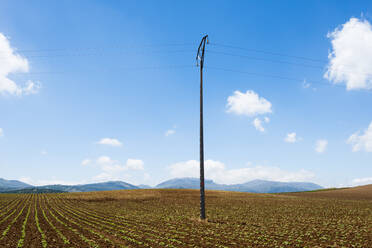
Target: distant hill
(106, 186)
(188, 183)
(354, 193)
(6, 185)
(264, 186)
(255, 186)
(19, 187)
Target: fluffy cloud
(134, 164)
(110, 166)
(105, 160)
(291, 138)
(257, 123)
(1, 132)
(115, 170)
(350, 60)
(43, 152)
(52, 181)
(12, 62)
(110, 142)
(170, 132)
(362, 141)
(321, 146)
(249, 103)
(218, 172)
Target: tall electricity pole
(200, 58)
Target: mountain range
(7, 185)
(255, 186)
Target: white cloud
(257, 123)
(11, 62)
(86, 162)
(291, 138)
(115, 170)
(362, 141)
(110, 142)
(105, 160)
(52, 181)
(170, 132)
(111, 167)
(1, 132)
(43, 152)
(190, 168)
(361, 181)
(134, 164)
(218, 172)
(249, 103)
(56, 181)
(321, 146)
(103, 177)
(350, 60)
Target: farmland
(169, 218)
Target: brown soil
(169, 218)
(355, 193)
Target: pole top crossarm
(201, 49)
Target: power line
(184, 51)
(345, 67)
(104, 51)
(271, 53)
(187, 51)
(112, 47)
(268, 60)
(97, 54)
(272, 76)
(144, 68)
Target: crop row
(169, 234)
(117, 223)
(169, 219)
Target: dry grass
(355, 193)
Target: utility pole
(200, 58)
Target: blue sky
(108, 90)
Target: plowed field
(169, 218)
